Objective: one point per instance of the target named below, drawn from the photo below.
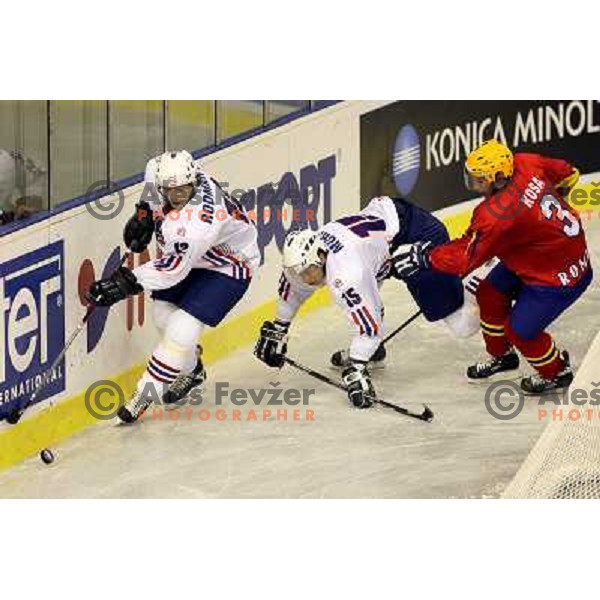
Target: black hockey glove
(271, 346)
(358, 384)
(409, 259)
(140, 228)
(109, 291)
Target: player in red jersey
(544, 262)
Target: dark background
(444, 186)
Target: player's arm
(359, 301)
(159, 274)
(484, 238)
(113, 289)
(139, 229)
(291, 295)
(180, 253)
(566, 185)
(172, 268)
(163, 273)
(271, 346)
(561, 173)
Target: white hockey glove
(358, 384)
(409, 259)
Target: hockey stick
(426, 415)
(401, 327)
(15, 416)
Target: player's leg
(166, 363)
(465, 322)
(439, 296)
(341, 358)
(174, 354)
(176, 367)
(536, 308)
(161, 311)
(189, 377)
(208, 297)
(165, 304)
(495, 295)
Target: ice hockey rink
(343, 453)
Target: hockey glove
(140, 228)
(409, 259)
(271, 346)
(109, 291)
(358, 384)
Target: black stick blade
(14, 417)
(427, 414)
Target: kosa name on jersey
(533, 191)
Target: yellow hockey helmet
(489, 160)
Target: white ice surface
(344, 453)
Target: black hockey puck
(47, 456)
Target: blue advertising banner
(32, 325)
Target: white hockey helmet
(174, 169)
(300, 251)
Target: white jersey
(357, 262)
(211, 231)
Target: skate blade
(179, 405)
(378, 366)
(515, 375)
(549, 391)
(118, 422)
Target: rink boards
(317, 157)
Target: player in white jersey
(208, 253)
(352, 257)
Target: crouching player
(544, 262)
(208, 258)
(352, 257)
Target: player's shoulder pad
(342, 274)
(523, 160)
(489, 209)
(150, 172)
(185, 227)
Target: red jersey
(527, 225)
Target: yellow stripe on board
(53, 424)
